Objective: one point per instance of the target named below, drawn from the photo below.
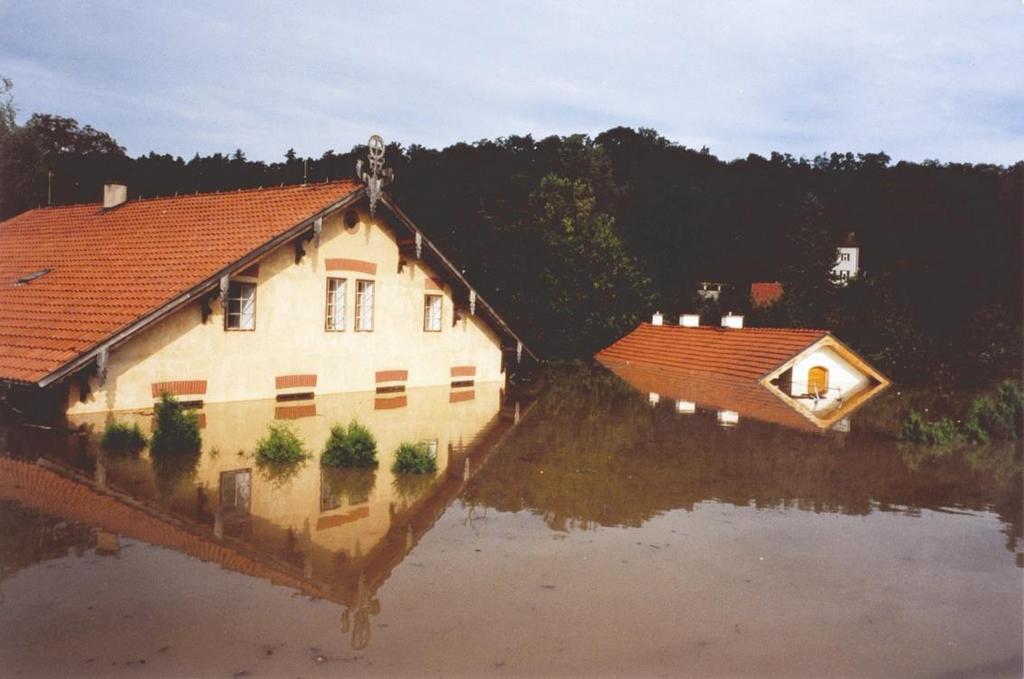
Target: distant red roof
(765, 294)
(745, 352)
(109, 268)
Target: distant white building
(847, 260)
(710, 291)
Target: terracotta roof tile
(747, 397)
(111, 267)
(745, 352)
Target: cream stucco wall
(290, 338)
(285, 516)
(844, 380)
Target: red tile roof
(110, 268)
(765, 294)
(723, 392)
(745, 352)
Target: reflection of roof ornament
(377, 177)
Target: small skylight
(28, 278)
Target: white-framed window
(364, 306)
(335, 304)
(432, 313)
(241, 313)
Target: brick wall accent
(292, 381)
(345, 264)
(179, 388)
(392, 375)
(390, 403)
(333, 520)
(459, 396)
(294, 412)
(464, 371)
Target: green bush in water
(352, 446)
(123, 438)
(942, 432)
(280, 446)
(414, 458)
(177, 430)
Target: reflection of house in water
(334, 534)
(798, 378)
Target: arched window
(817, 380)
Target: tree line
(574, 239)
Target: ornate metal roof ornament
(377, 176)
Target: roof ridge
(196, 194)
(721, 329)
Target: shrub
(942, 432)
(280, 446)
(123, 438)
(177, 430)
(414, 458)
(352, 446)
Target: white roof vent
(657, 318)
(730, 321)
(689, 320)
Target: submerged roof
(111, 271)
(709, 390)
(737, 352)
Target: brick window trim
(292, 381)
(464, 371)
(179, 388)
(357, 265)
(392, 375)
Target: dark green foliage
(943, 432)
(352, 446)
(119, 438)
(414, 458)
(177, 430)
(576, 238)
(989, 417)
(280, 446)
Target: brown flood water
(577, 530)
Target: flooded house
(272, 293)
(799, 378)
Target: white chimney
(728, 418)
(653, 398)
(730, 321)
(689, 320)
(686, 407)
(114, 195)
(657, 319)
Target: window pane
(335, 303)
(241, 306)
(364, 305)
(432, 313)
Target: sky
(917, 80)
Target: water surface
(573, 529)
